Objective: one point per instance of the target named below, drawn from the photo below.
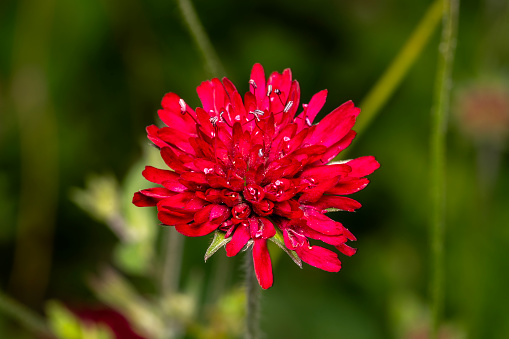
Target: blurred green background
(80, 80)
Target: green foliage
(218, 241)
(280, 242)
(66, 325)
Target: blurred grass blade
(386, 85)
(25, 316)
(114, 290)
(200, 38)
(38, 146)
(440, 110)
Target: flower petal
(262, 263)
(288, 209)
(172, 160)
(315, 105)
(239, 240)
(345, 187)
(338, 147)
(185, 201)
(205, 92)
(335, 201)
(157, 175)
(320, 257)
(196, 230)
(171, 218)
(176, 138)
(320, 222)
(213, 212)
(173, 115)
(317, 173)
(257, 84)
(363, 166)
(261, 228)
(334, 126)
(150, 196)
(173, 103)
(334, 240)
(347, 250)
(152, 136)
(292, 104)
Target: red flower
(252, 170)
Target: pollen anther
(257, 113)
(183, 106)
(288, 106)
(214, 120)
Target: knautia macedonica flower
(252, 170)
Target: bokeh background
(80, 80)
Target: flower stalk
(253, 299)
(395, 73)
(438, 157)
(172, 259)
(200, 37)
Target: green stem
(24, 316)
(388, 82)
(438, 143)
(39, 160)
(200, 38)
(220, 277)
(253, 298)
(172, 257)
(173, 245)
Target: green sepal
(218, 241)
(279, 240)
(247, 245)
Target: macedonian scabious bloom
(252, 170)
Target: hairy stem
(438, 143)
(253, 298)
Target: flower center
(253, 193)
(241, 211)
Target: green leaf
(280, 241)
(133, 258)
(218, 242)
(247, 245)
(62, 321)
(66, 325)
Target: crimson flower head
(253, 169)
